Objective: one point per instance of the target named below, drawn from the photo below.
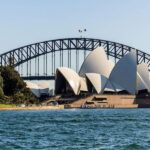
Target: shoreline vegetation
(13, 89)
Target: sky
(24, 22)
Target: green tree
(12, 82)
(14, 88)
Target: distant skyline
(24, 22)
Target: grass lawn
(7, 106)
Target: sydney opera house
(101, 82)
(99, 75)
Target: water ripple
(122, 129)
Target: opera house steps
(78, 103)
(110, 101)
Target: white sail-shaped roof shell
(112, 86)
(97, 62)
(43, 84)
(98, 81)
(71, 77)
(124, 73)
(109, 87)
(44, 87)
(33, 87)
(143, 75)
(140, 85)
(83, 84)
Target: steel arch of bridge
(26, 53)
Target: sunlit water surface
(75, 129)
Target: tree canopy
(13, 87)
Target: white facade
(97, 62)
(140, 85)
(109, 87)
(83, 84)
(124, 73)
(143, 76)
(98, 81)
(70, 76)
(38, 89)
(100, 73)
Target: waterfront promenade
(59, 107)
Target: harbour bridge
(38, 61)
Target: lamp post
(81, 31)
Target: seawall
(59, 107)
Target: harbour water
(112, 129)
